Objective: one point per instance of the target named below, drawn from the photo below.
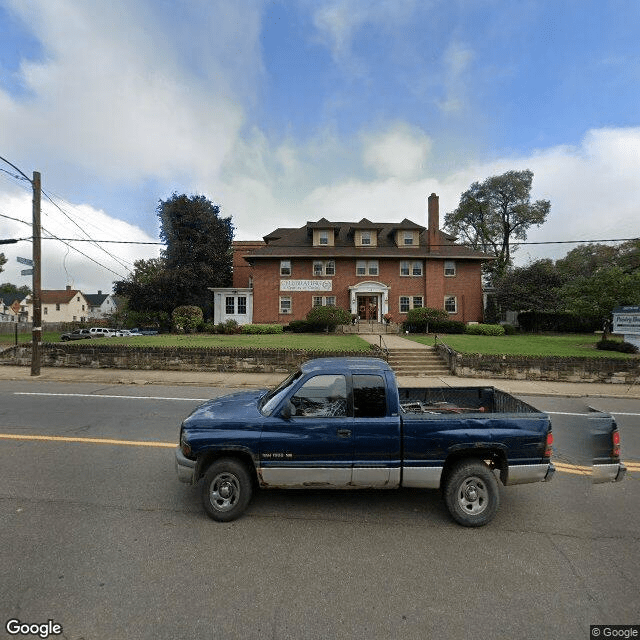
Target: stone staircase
(423, 361)
(368, 327)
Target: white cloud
(401, 152)
(110, 95)
(62, 263)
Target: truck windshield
(271, 400)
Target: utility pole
(36, 332)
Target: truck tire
(471, 493)
(226, 490)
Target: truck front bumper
(608, 472)
(185, 468)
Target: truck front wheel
(471, 494)
(226, 490)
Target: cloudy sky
(287, 111)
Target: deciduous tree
(495, 212)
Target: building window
(324, 301)
(365, 238)
(285, 304)
(323, 237)
(230, 305)
(242, 305)
(45, 311)
(324, 267)
(410, 268)
(57, 307)
(410, 302)
(408, 238)
(366, 267)
(449, 267)
(285, 267)
(451, 304)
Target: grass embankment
(302, 341)
(569, 345)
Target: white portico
(369, 300)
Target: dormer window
(406, 238)
(323, 237)
(365, 238)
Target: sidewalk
(262, 380)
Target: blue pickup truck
(343, 423)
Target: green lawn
(571, 345)
(319, 342)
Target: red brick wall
(433, 286)
(241, 268)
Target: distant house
(59, 305)
(10, 307)
(101, 304)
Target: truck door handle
(344, 433)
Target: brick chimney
(434, 223)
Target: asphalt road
(103, 540)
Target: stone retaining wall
(608, 370)
(167, 358)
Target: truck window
(321, 396)
(369, 396)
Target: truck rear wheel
(226, 490)
(471, 493)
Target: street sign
(25, 261)
(26, 272)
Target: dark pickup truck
(343, 423)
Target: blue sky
(283, 112)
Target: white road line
(591, 414)
(99, 395)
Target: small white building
(232, 304)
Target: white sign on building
(305, 285)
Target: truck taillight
(548, 449)
(615, 441)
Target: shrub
(616, 345)
(298, 326)
(447, 326)
(327, 318)
(260, 328)
(485, 330)
(227, 328)
(419, 320)
(186, 319)
(509, 329)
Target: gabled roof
(9, 298)
(96, 299)
(56, 296)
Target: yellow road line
(127, 443)
(561, 467)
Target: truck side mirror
(286, 411)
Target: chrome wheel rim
(224, 492)
(473, 495)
